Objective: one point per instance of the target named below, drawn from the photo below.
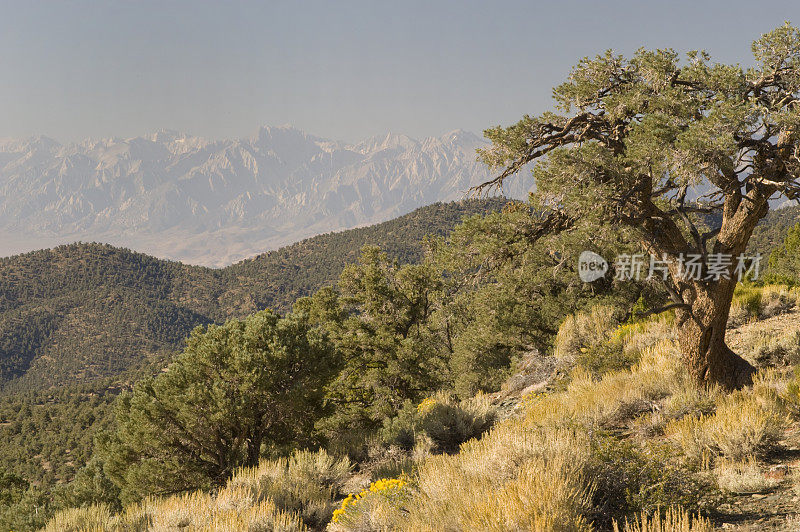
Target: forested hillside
(83, 312)
(771, 231)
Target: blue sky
(345, 70)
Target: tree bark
(701, 336)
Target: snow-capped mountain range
(214, 202)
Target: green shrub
(784, 261)
(446, 422)
(749, 297)
(607, 357)
(629, 480)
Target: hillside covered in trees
(83, 312)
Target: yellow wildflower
(426, 405)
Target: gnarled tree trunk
(703, 317)
(701, 336)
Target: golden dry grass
(515, 478)
(588, 400)
(277, 495)
(744, 476)
(746, 422)
(585, 329)
(674, 520)
(95, 517)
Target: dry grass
(95, 517)
(231, 511)
(448, 422)
(597, 341)
(742, 477)
(512, 479)
(306, 482)
(285, 494)
(747, 422)
(773, 350)
(584, 330)
(674, 520)
(192, 512)
(755, 302)
(777, 299)
(616, 394)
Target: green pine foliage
(380, 320)
(784, 261)
(508, 289)
(239, 390)
(772, 230)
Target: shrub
(748, 297)
(745, 423)
(630, 480)
(231, 510)
(446, 422)
(584, 330)
(616, 396)
(513, 478)
(772, 350)
(753, 302)
(742, 426)
(94, 517)
(738, 315)
(234, 510)
(674, 520)
(606, 357)
(250, 383)
(597, 343)
(398, 466)
(689, 399)
(742, 477)
(792, 394)
(775, 300)
(689, 433)
(306, 483)
(374, 508)
(543, 496)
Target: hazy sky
(344, 70)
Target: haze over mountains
(213, 202)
